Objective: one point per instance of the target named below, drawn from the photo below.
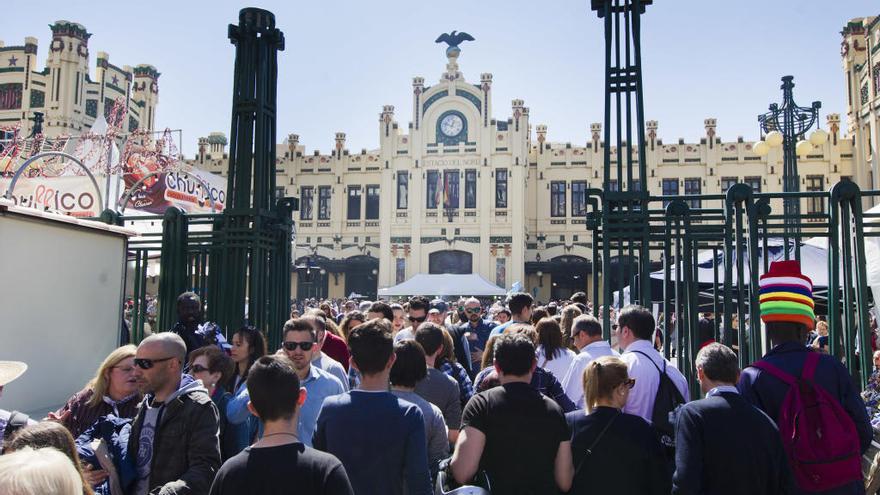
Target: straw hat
(10, 370)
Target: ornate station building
(64, 91)
(457, 185)
(466, 187)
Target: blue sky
(346, 58)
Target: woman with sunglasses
(214, 368)
(248, 345)
(113, 390)
(613, 452)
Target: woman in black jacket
(614, 452)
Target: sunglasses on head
(417, 319)
(145, 364)
(291, 346)
(198, 368)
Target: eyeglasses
(145, 364)
(291, 346)
(630, 383)
(417, 319)
(472, 310)
(198, 368)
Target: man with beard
(191, 327)
(173, 438)
(300, 347)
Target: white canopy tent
(445, 284)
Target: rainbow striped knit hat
(786, 294)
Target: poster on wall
(75, 195)
(183, 190)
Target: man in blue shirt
(379, 438)
(299, 346)
(520, 305)
(476, 330)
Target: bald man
(174, 436)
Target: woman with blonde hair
(49, 434)
(38, 472)
(614, 452)
(113, 390)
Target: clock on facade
(452, 128)
(451, 125)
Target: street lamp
(786, 125)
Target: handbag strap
(596, 441)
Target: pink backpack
(818, 435)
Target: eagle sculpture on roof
(453, 39)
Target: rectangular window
(470, 188)
(324, 202)
(693, 187)
(500, 272)
(354, 202)
(372, 209)
(815, 183)
(755, 182)
(557, 199)
(307, 195)
(727, 182)
(636, 185)
(501, 188)
(402, 190)
(579, 198)
(670, 188)
(400, 271)
(433, 189)
(450, 189)
(613, 186)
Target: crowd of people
(426, 396)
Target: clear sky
(344, 59)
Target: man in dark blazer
(724, 444)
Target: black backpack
(667, 401)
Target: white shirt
(558, 365)
(641, 397)
(573, 382)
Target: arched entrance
(361, 276)
(450, 261)
(311, 277)
(570, 274)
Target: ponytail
(601, 377)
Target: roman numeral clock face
(451, 125)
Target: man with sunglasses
(173, 438)
(320, 358)
(300, 346)
(476, 330)
(417, 313)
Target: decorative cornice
(66, 28)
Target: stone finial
(203, 145)
(833, 121)
(596, 131)
(30, 45)
(516, 104)
(542, 133)
(710, 125)
(486, 81)
(418, 85)
(340, 141)
(387, 114)
(292, 142)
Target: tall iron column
(625, 227)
